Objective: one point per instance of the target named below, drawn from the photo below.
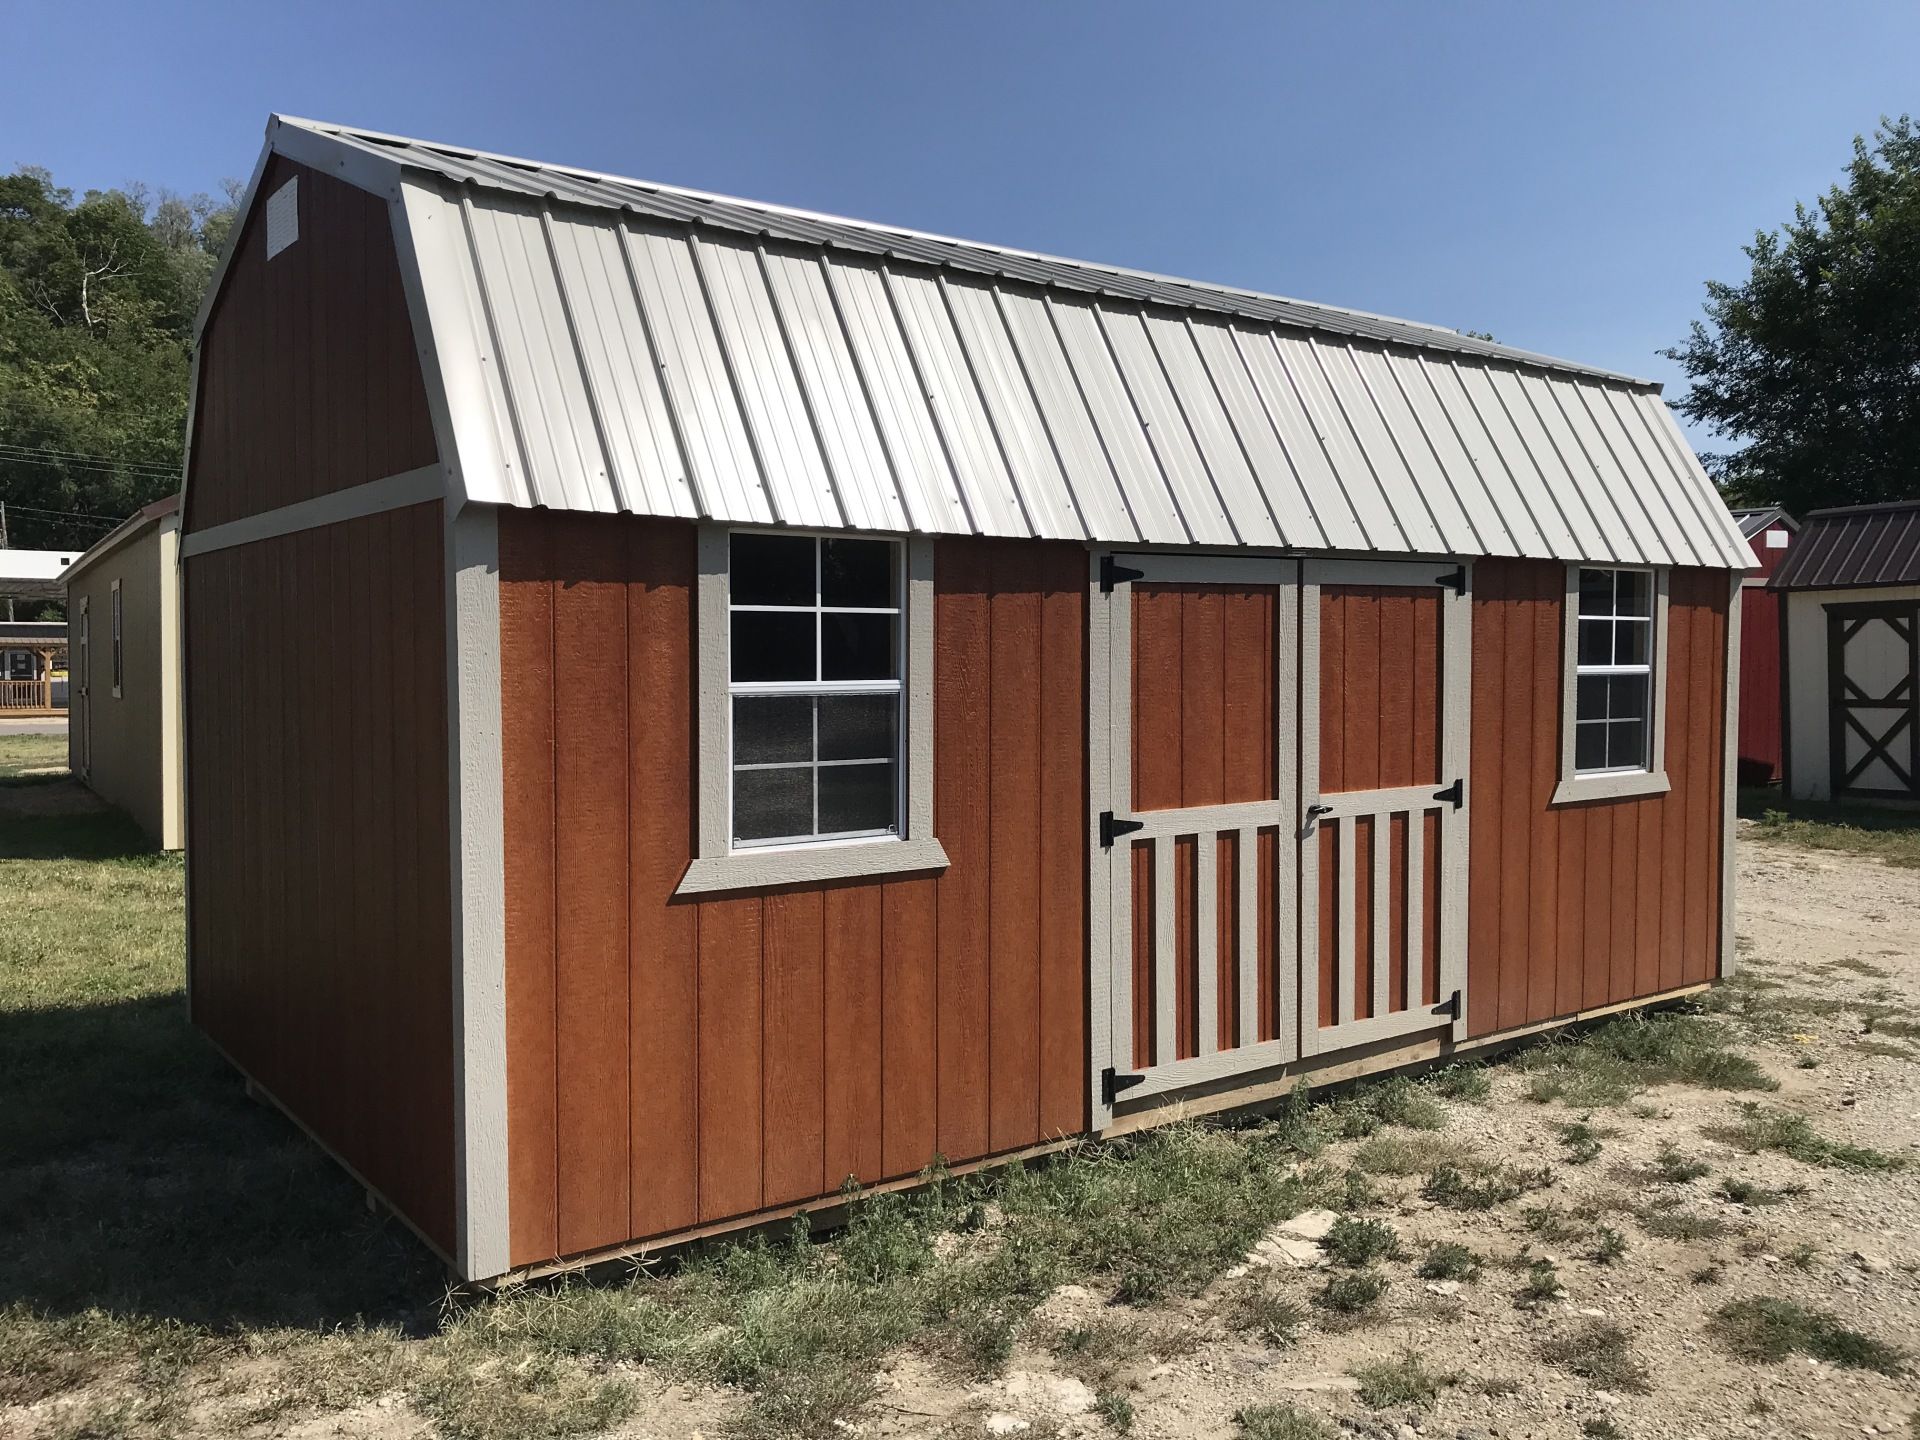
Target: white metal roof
(607, 345)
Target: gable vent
(283, 217)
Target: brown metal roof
(1855, 546)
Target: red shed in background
(1770, 531)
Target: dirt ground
(1820, 924)
(1643, 1242)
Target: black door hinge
(1113, 573)
(1455, 580)
(1456, 792)
(1110, 827)
(1449, 1007)
(1112, 1083)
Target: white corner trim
(391, 492)
(1574, 787)
(477, 859)
(716, 865)
(1729, 779)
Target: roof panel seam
(768, 490)
(835, 489)
(675, 421)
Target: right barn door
(1383, 789)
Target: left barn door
(1194, 748)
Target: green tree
(97, 299)
(1813, 362)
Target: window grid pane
(1613, 670)
(834, 769)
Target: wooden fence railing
(27, 694)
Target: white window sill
(808, 864)
(1622, 786)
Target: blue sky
(1565, 176)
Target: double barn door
(1279, 857)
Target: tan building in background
(123, 619)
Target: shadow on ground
(135, 1175)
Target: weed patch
(1858, 829)
(1609, 1247)
(1612, 1063)
(1462, 1081)
(1541, 1285)
(1752, 1192)
(1357, 1243)
(1759, 1128)
(1283, 1422)
(1682, 1225)
(1481, 1187)
(1673, 1168)
(1765, 1329)
(1450, 1260)
(1263, 1311)
(1397, 1154)
(1354, 1294)
(1599, 1351)
(1403, 1380)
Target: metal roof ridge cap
(1440, 332)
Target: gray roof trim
(570, 185)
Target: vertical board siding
(1761, 755)
(321, 953)
(1574, 906)
(309, 379)
(675, 1062)
(1203, 694)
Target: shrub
(1450, 1260)
(1403, 1380)
(1352, 1294)
(1598, 1351)
(1356, 1243)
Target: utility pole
(5, 546)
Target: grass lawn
(1891, 835)
(20, 753)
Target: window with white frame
(814, 681)
(1613, 683)
(1614, 697)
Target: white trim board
(392, 492)
(1730, 745)
(478, 874)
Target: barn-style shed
(1850, 655)
(1761, 758)
(691, 701)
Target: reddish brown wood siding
(1203, 688)
(674, 1063)
(1576, 906)
(318, 847)
(309, 378)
